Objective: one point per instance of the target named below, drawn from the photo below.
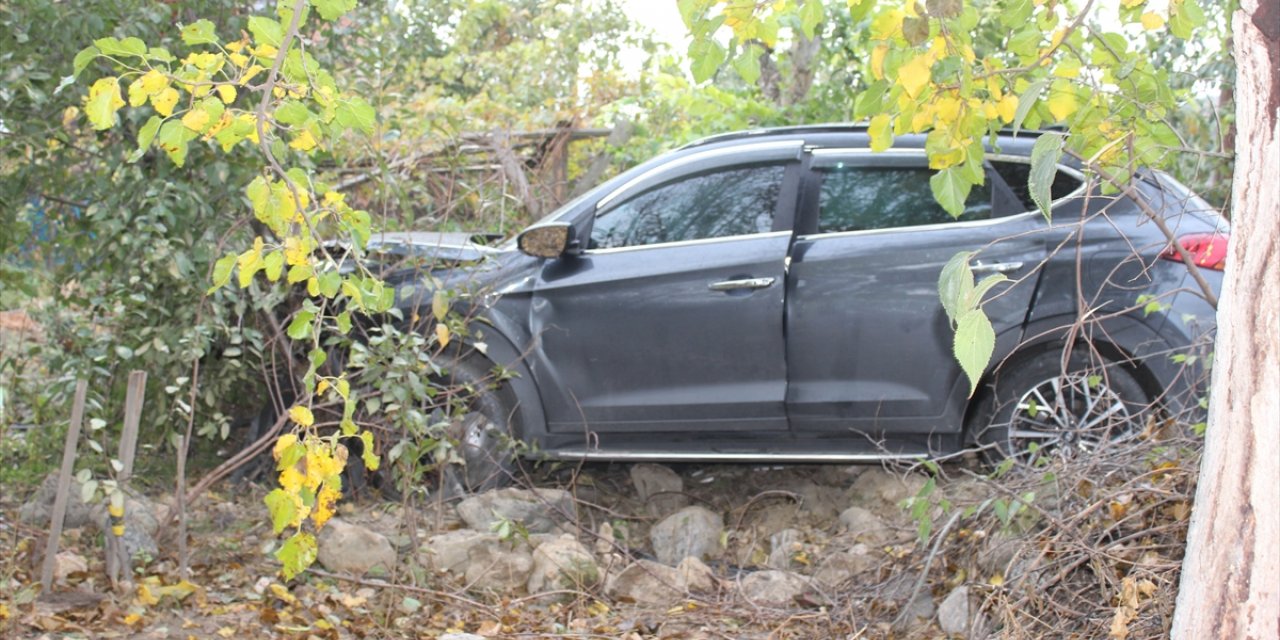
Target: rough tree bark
(1231, 575)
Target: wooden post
(64, 487)
(181, 498)
(117, 557)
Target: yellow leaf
(250, 73)
(887, 25)
(1129, 4)
(1007, 108)
(196, 119)
(132, 619)
(226, 632)
(947, 109)
(238, 59)
(322, 386)
(282, 592)
(442, 334)
(1062, 101)
(304, 142)
(227, 93)
(287, 440)
(1152, 21)
(165, 101)
(313, 286)
(877, 61)
(325, 502)
(996, 580)
(4, 612)
(103, 102)
(302, 416)
(137, 95)
(145, 597)
(915, 75)
(154, 82)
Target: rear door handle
(746, 283)
(996, 267)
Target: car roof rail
(831, 127)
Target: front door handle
(746, 283)
(996, 267)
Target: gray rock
(921, 608)
(866, 526)
(353, 549)
(563, 563)
(140, 525)
(773, 588)
(38, 509)
(692, 531)
(649, 583)
(840, 566)
(498, 568)
(659, 488)
(782, 547)
(953, 613)
(696, 577)
(449, 551)
(877, 489)
(539, 510)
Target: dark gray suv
(772, 295)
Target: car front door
(869, 347)
(671, 318)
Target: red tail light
(1208, 250)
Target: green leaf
(148, 133)
(344, 322)
(367, 455)
(273, 264)
(222, 272)
(173, 139)
(1184, 17)
(282, 507)
(811, 15)
(975, 341)
(199, 32)
(297, 553)
(82, 59)
(266, 31)
(330, 281)
(871, 100)
(293, 113)
(1045, 154)
(356, 113)
(1026, 101)
(705, 56)
(974, 298)
(439, 305)
(333, 9)
(1014, 13)
(950, 189)
(300, 328)
(101, 108)
(955, 283)
(747, 64)
(126, 47)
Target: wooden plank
(118, 559)
(65, 474)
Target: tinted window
(729, 202)
(1018, 174)
(862, 198)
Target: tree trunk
(1231, 574)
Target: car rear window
(864, 198)
(1018, 174)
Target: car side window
(725, 202)
(859, 198)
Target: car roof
(850, 134)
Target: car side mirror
(547, 240)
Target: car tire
(480, 411)
(1030, 400)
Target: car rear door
(671, 319)
(869, 347)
